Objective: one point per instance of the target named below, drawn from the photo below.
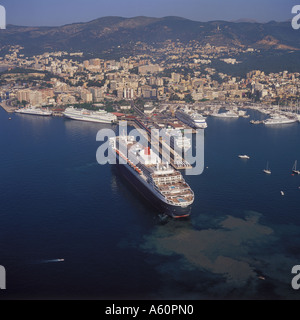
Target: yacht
(294, 170)
(267, 170)
(244, 156)
(256, 122)
(279, 119)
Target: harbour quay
(7, 107)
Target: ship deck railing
(174, 174)
(185, 192)
(174, 190)
(185, 200)
(169, 185)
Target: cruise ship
(34, 111)
(91, 116)
(163, 186)
(194, 120)
(176, 139)
(279, 119)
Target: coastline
(7, 108)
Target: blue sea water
(57, 202)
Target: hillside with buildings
(105, 33)
(113, 62)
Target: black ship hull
(161, 206)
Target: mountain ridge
(103, 33)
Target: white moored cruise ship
(163, 186)
(34, 111)
(279, 119)
(91, 116)
(193, 119)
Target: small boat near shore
(256, 122)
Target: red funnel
(147, 151)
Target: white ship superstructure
(162, 185)
(279, 119)
(192, 119)
(100, 116)
(226, 115)
(34, 111)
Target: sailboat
(295, 171)
(267, 170)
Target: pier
(163, 149)
(8, 109)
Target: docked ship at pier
(100, 116)
(192, 119)
(34, 111)
(279, 119)
(157, 181)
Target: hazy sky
(59, 12)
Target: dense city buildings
(173, 72)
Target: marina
(191, 116)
